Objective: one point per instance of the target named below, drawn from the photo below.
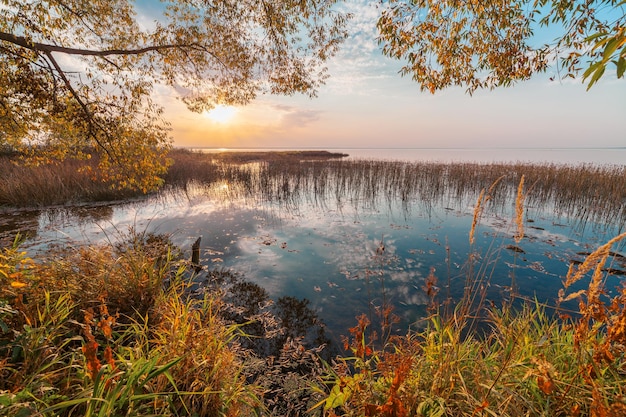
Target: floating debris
(267, 241)
(537, 266)
(515, 249)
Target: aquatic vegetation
(524, 361)
(120, 329)
(588, 193)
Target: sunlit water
(346, 256)
(603, 156)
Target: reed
(528, 362)
(586, 193)
(113, 330)
(51, 184)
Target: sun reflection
(221, 113)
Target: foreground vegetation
(122, 329)
(116, 330)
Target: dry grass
(527, 363)
(588, 193)
(52, 184)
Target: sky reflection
(346, 256)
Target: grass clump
(129, 329)
(111, 331)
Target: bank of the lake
(447, 266)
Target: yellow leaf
(17, 284)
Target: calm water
(347, 255)
(557, 155)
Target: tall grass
(53, 184)
(527, 362)
(109, 330)
(129, 329)
(587, 193)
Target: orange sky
(367, 104)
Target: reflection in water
(351, 236)
(25, 223)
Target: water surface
(349, 243)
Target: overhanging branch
(48, 48)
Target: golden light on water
(221, 113)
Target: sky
(367, 104)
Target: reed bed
(115, 330)
(584, 193)
(47, 185)
(587, 193)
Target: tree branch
(90, 118)
(48, 48)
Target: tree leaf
(621, 67)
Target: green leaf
(621, 67)
(596, 76)
(594, 36)
(592, 68)
(610, 49)
(342, 391)
(24, 412)
(5, 400)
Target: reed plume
(478, 210)
(596, 260)
(519, 211)
(480, 206)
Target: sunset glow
(366, 104)
(221, 113)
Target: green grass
(117, 330)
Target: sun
(221, 113)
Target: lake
(557, 155)
(352, 236)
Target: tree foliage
(78, 75)
(487, 44)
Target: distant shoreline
(313, 148)
(598, 156)
(244, 156)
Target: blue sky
(366, 103)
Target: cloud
(298, 118)
(360, 63)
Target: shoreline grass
(114, 330)
(97, 332)
(589, 193)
